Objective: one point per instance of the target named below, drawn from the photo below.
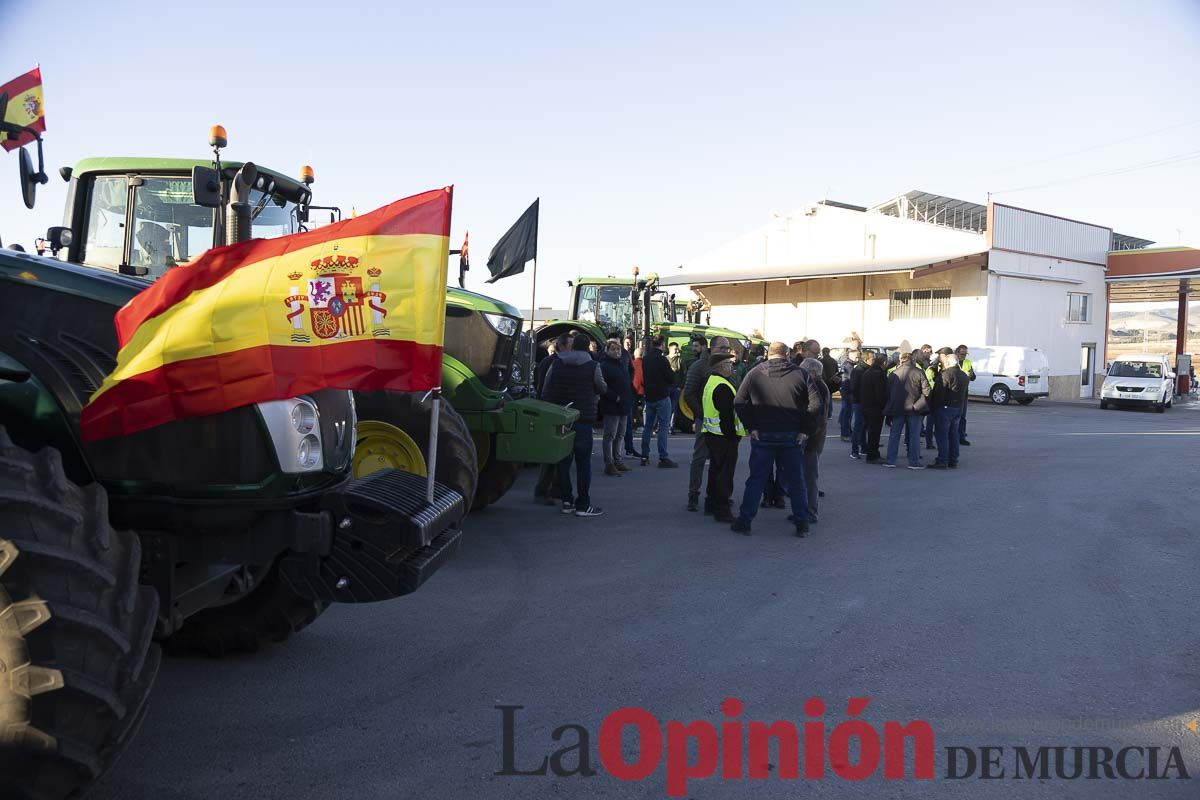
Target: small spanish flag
(357, 305)
(25, 108)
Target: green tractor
(142, 216)
(210, 534)
(637, 307)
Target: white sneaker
(590, 511)
(568, 508)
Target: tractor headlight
(505, 326)
(295, 429)
(308, 454)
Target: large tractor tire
(76, 654)
(271, 612)
(495, 477)
(393, 431)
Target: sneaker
(693, 502)
(740, 527)
(855, 456)
(918, 466)
(965, 442)
(936, 465)
(645, 462)
(622, 468)
(889, 466)
(812, 518)
(666, 463)
(611, 469)
(590, 511)
(568, 508)
(802, 529)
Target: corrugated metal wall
(1040, 234)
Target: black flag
(516, 247)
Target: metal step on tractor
(638, 307)
(138, 216)
(208, 534)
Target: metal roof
(936, 209)
(832, 269)
(1121, 241)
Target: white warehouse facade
(919, 268)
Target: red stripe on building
(425, 213)
(210, 385)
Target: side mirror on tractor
(206, 187)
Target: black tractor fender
(36, 416)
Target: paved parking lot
(1042, 595)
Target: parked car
(1004, 373)
(1139, 379)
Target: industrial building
(920, 268)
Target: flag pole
(433, 439)
(533, 316)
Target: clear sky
(652, 132)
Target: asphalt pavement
(1044, 594)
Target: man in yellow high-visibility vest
(964, 363)
(723, 432)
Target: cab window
(104, 241)
(168, 229)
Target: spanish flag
(358, 305)
(24, 109)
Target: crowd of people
(781, 399)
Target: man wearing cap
(773, 404)
(722, 434)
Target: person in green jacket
(723, 432)
(964, 363)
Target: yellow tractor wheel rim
(384, 446)
(483, 447)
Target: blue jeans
(629, 430)
(858, 435)
(905, 424)
(947, 432)
(781, 450)
(846, 417)
(582, 456)
(657, 411)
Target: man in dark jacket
(614, 407)
(948, 398)
(908, 399)
(576, 380)
(858, 423)
(773, 404)
(722, 434)
(872, 400)
(657, 379)
(693, 389)
(964, 363)
(546, 489)
(829, 371)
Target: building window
(919, 304)
(1080, 307)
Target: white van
(1005, 373)
(1139, 379)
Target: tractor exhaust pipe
(237, 213)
